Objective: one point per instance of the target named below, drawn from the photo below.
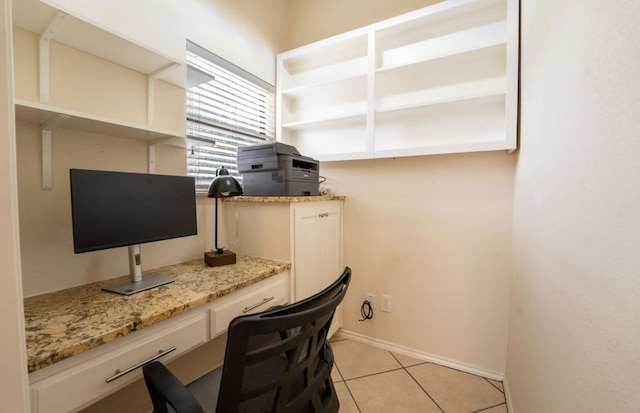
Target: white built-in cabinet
(75, 75)
(317, 249)
(306, 231)
(317, 252)
(442, 79)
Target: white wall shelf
(442, 79)
(303, 88)
(319, 137)
(313, 122)
(53, 25)
(35, 16)
(128, 80)
(476, 47)
(324, 100)
(456, 43)
(443, 94)
(41, 114)
(324, 75)
(50, 118)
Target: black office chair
(276, 361)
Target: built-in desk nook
(84, 343)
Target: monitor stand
(137, 283)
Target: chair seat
(206, 390)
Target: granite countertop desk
(64, 323)
(284, 199)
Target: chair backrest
(280, 360)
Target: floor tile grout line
(352, 397)
(405, 368)
(347, 386)
(447, 367)
(458, 370)
(491, 383)
(339, 372)
(491, 407)
(416, 381)
(372, 374)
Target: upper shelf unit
(36, 16)
(442, 79)
(89, 78)
(338, 59)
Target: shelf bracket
(152, 159)
(152, 151)
(151, 88)
(47, 178)
(43, 51)
(46, 129)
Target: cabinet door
(317, 245)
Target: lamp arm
(218, 249)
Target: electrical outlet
(371, 298)
(385, 305)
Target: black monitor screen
(115, 209)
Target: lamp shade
(224, 185)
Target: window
(227, 107)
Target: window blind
(227, 107)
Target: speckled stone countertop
(284, 199)
(68, 322)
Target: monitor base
(148, 281)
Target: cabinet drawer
(79, 386)
(259, 297)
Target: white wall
(48, 260)
(574, 330)
(13, 362)
(434, 232)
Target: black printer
(277, 169)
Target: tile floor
(371, 380)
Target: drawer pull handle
(323, 214)
(266, 300)
(119, 373)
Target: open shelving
(37, 17)
(477, 73)
(44, 115)
(465, 41)
(318, 136)
(442, 79)
(91, 79)
(467, 125)
(336, 59)
(322, 90)
(324, 101)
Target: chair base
(213, 259)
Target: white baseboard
(507, 395)
(420, 355)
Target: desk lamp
(222, 186)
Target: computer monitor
(115, 209)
